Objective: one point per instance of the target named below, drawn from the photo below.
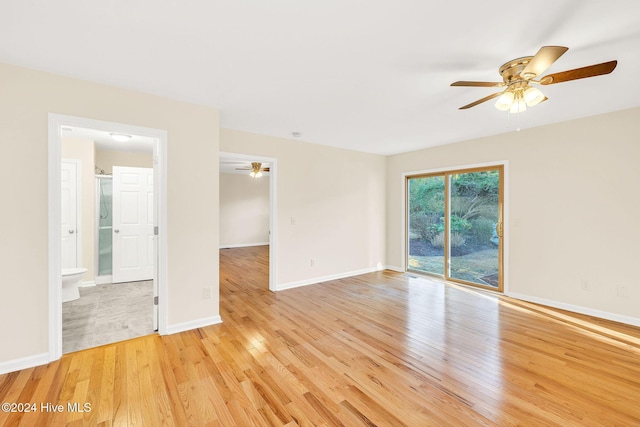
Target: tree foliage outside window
(474, 197)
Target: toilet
(70, 280)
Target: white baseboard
(87, 284)
(43, 359)
(315, 280)
(103, 280)
(193, 324)
(394, 268)
(244, 245)
(578, 309)
(24, 363)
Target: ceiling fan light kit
(256, 169)
(519, 74)
(504, 101)
(533, 96)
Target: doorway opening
(248, 188)
(455, 225)
(77, 137)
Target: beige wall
(83, 150)
(28, 97)
(330, 206)
(572, 208)
(107, 159)
(244, 210)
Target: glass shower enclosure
(104, 222)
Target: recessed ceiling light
(296, 134)
(120, 137)
(67, 129)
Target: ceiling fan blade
(478, 84)
(580, 73)
(480, 101)
(546, 56)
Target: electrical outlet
(584, 285)
(206, 292)
(312, 262)
(623, 291)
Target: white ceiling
(366, 75)
(104, 141)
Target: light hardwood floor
(378, 349)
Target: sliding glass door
(454, 225)
(426, 224)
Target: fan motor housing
(511, 70)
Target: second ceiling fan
(256, 169)
(520, 73)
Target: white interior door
(69, 213)
(133, 222)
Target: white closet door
(69, 214)
(133, 238)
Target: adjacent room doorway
(155, 202)
(243, 208)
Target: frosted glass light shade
(532, 96)
(504, 101)
(518, 106)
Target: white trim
(87, 284)
(243, 245)
(105, 279)
(629, 320)
(55, 122)
(55, 256)
(394, 268)
(193, 324)
(315, 280)
(24, 362)
(160, 196)
(505, 210)
(273, 209)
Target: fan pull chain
(517, 120)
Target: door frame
(505, 212)
(55, 124)
(273, 211)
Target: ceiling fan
(256, 169)
(520, 73)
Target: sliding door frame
(502, 167)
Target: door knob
(116, 231)
(72, 231)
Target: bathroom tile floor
(107, 313)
